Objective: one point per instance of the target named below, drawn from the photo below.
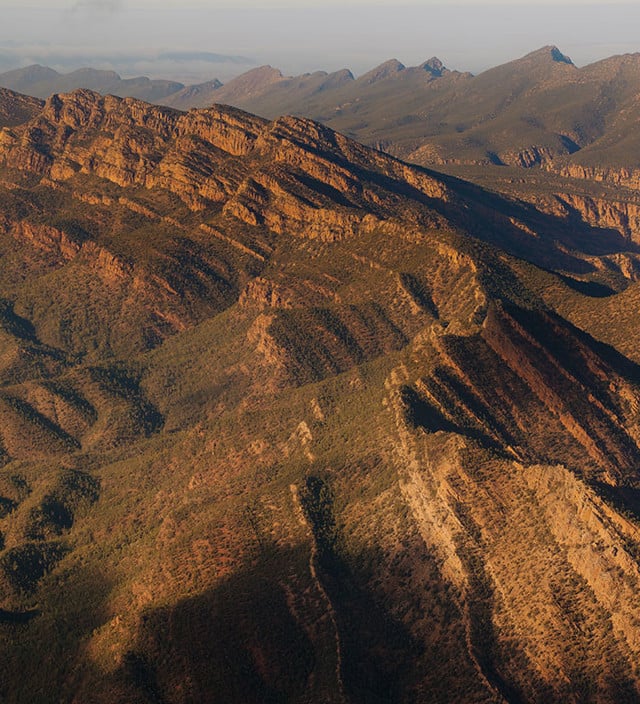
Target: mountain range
(539, 110)
(288, 419)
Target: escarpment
(621, 216)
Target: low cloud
(108, 6)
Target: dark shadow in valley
(626, 500)
(482, 633)
(591, 289)
(622, 365)
(571, 232)
(17, 617)
(251, 641)
(124, 383)
(376, 649)
(43, 655)
(569, 144)
(239, 642)
(420, 413)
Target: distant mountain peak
(265, 70)
(344, 74)
(550, 52)
(198, 95)
(385, 70)
(434, 66)
(260, 76)
(94, 72)
(34, 72)
(214, 84)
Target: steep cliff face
(286, 419)
(128, 143)
(545, 371)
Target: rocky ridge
(537, 111)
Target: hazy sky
(305, 35)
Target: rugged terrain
(539, 110)
(285, 419)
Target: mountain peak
(550, 52)
(255, 80)
(385, 70)
(199, 95)
(434, 66)
(30, 74)
(212, 85)
(344, 75)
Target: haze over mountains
(287, 419)
(41, 82)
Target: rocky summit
(286, 419)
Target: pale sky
(274, 4)
(143, 36)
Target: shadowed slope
(16, 109)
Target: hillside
(285, 419)
(16, 108)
